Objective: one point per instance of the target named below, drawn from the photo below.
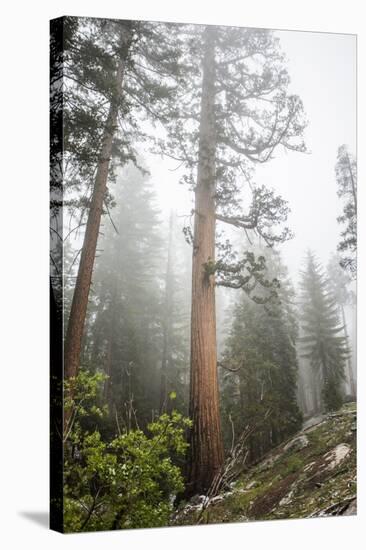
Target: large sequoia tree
(233, 112)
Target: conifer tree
(89, 142)
(175, 321)
(346, 178)
(129, 293)
(112, 70)
(340, 281)
(260, 366)
(231, 115)
(133, 328)
(323, 342)
(125, 318)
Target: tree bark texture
(206, 448)
(74, 335)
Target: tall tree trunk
(79, 304)
(349, 362)
(353, 184)
(301, 395)
(316, 385)
(167, 321)
(96, 332)
(109, 354)
(112, 314)
(206, 447)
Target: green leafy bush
(127, 482)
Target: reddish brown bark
(206, 447)
(75, 329)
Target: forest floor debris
(313, 474)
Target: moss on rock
(314, 478)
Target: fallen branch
(236, 459)
(335, 509)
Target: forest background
(30, 491)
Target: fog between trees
(206, 274)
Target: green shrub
(127, 482)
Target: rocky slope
(312, 474)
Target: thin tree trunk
(109, 355)
(79, 305)
(349, 363)
(97, 333)
(301, 391)
(206, 447)
(316, 383)
(353, 184)
(167, 321)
